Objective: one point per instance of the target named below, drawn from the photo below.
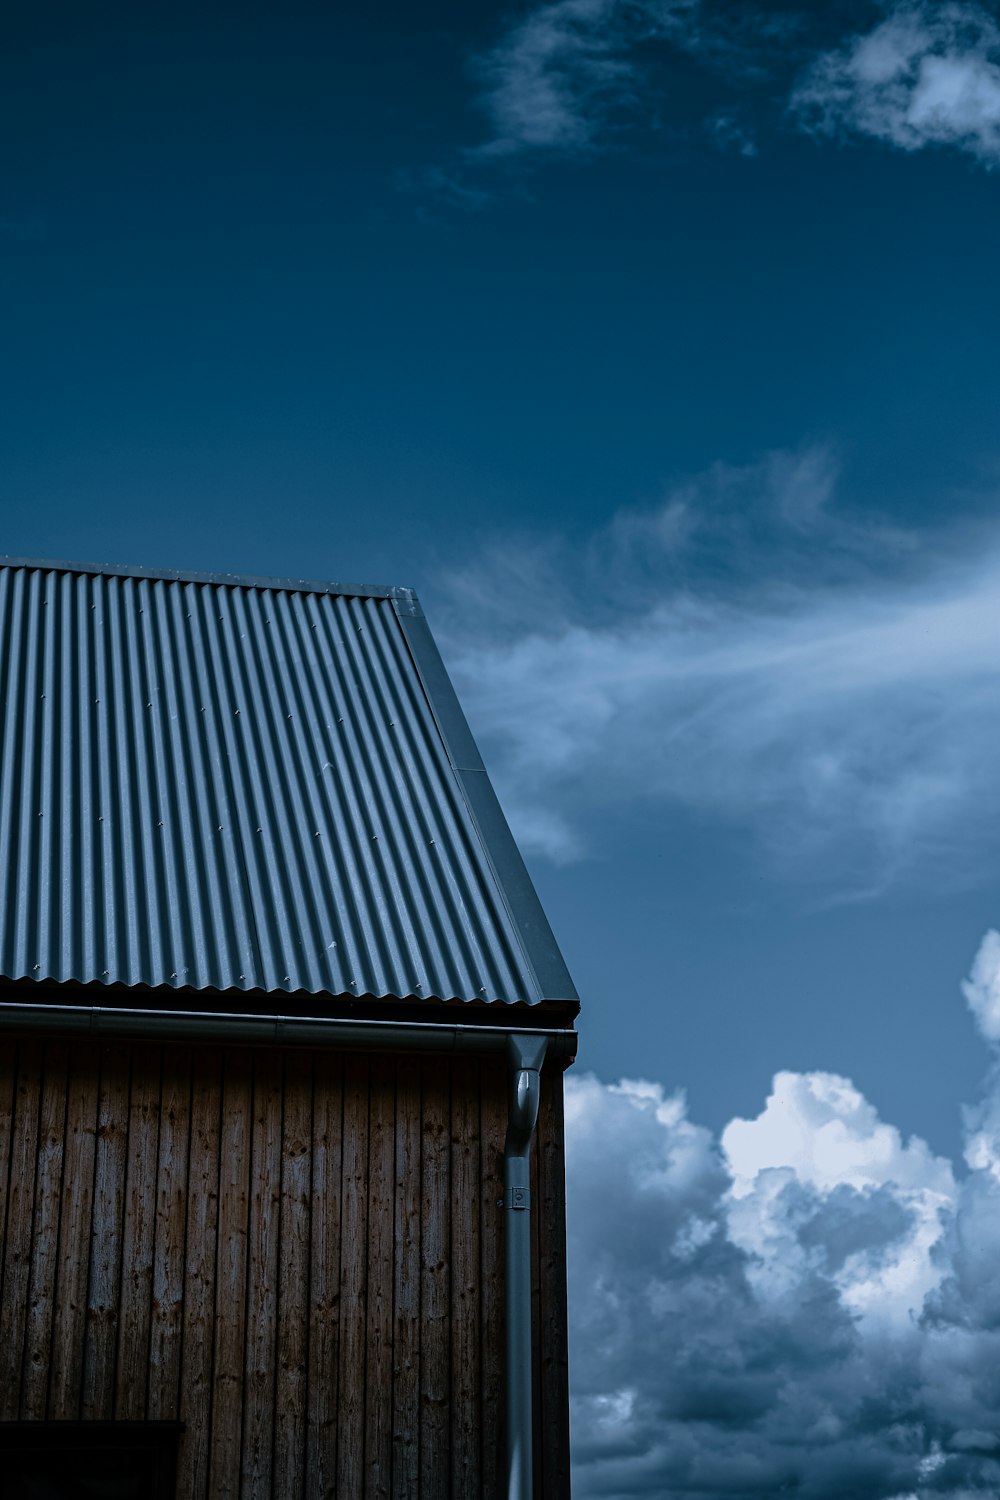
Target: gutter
(292, 1031)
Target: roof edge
(226, 580)
(542, 955)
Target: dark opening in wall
(88, 1460)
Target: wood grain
(324, 1279)
(406, 1288)
(353, 1279)
(293, 1280)
(201, 1237)
(20, 1212)
(464, 1227)
(101, 1323)
(231, 1278)
(262, 1277)
(493, 1129)
(435, 1269)
(76, 1221)
(167, 1313)
(45, 1233)
(136, 1294)
(381, 1217)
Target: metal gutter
(525, 1054)
(292, 1031)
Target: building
(278, 1009)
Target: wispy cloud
(751, 650)
(551, 79)
(809, 1306)
(575, 77)
(926, 75)
(571, 73)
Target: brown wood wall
(298, 1255)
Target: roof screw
(287, 979)
(316, 834)
(237, 710)
(159, 825)
(220, 827)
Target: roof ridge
(221, 580)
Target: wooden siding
(299, 1256)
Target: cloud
(550, 79)
(749, 650)
(982, 988)
(927, 75)
(570, 74)
(810, 1306)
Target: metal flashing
(541, 951)
(219, 580)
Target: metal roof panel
(215, 782)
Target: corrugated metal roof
(242, 784)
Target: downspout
(525, 1054)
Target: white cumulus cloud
(810, 1306)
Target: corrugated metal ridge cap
(221, 580)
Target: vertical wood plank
(466, 1457)
(8, 1095)
(168, 1253)
(45, 1233)
(293, 1280)
(353, 1279)
(101, 1324)
(262, 1277)
(324, 1278)
(231, 1277)
(76, 1226)
(406, 1291)
(381, 1216)
(199, 1275)
(136, 1292)
(435, 1392)
(20, 1212)
(554, 1373)
(493, 1127)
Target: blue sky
(654, 343)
